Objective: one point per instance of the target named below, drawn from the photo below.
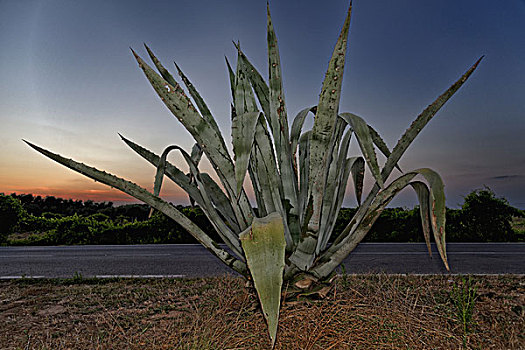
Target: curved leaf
(161, 169)
(423, 194)
(173, 173)
(159, 176)
(219, 199)
(356, 231)
(437, 210)
(181, 106)
(297, 127)
(153, 201)
(366, 144)
(221, 228)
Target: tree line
(33, 220)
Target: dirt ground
(361, 312)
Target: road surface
(195, 261)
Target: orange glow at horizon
(69, 186)
(96, 195)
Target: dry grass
(362, 312)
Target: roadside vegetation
(32, 220)
(360, 312)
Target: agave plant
(299, 177)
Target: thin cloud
(506, 177)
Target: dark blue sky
(70, 83)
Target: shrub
(10, 213)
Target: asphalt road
(195, 261)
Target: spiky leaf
(320, 146)
(422, 120)
(157, 203)
(243, 135)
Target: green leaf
(264, 247)
(423, 194)
(221, 202)
(226, 234)
(279, 126)
(422, 120)
(231, 74)
(332, 184)
(243, 135)
(161, 169)
(320, 146)
(173, 173)
(163, 71)
(338, 202)
(358, 177)
(297, 127)
(266, 160)
(304, 167)
(262, 91)
(338, 251)
(153, 201)
(182, 107)
(196, 153)
(263, 185)
(437, 210)
(201, 105)
(278, 114)
(380, 143)
(159, 176)
(244, 100)
(362, 132)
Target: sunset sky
(69, 83)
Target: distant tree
(487, 218)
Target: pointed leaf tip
(178, 68)
(237, 45)
(479, 59)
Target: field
(361, 312)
